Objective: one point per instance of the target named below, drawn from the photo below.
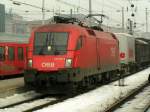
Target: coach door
(2, 54)
(10, 52)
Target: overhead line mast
(146, 13)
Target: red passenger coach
(68, 53)
(13, 54)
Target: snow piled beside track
(101, 98)
(27, 106)
(138, 104)
(17, 98)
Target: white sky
(109, 8)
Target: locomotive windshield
(50, 43)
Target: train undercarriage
(57, 82)
(73, 80)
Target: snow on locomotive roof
(14, 39)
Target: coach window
(20, 53)
(2, 54)
(11, 55)
(79, 43)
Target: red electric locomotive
(70, 54)
(13, 54)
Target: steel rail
(130, 95)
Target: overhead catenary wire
(103, 4)
(86, 10)
(110, 18)
(130, 2)
(115, 3)
(118, 3)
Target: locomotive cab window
(11, 54)
(50, 43)
(20, 53)
(79, 43)
(2, 54)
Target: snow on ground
(99, 99)
(29, 105)
(17, 98)
(138, 104)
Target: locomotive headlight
(30, 63)
(68, 62)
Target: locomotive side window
(20, 53)
(79, 43)
(50, 43)
(11, 54)
(2, 54)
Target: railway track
(29, 101)
(33, 105)
(148, 110)
(135, 101)
(18, 98)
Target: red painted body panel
(108, 49)
(98, 51)
(15, 66)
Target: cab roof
(58, 27)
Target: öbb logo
(47, 64)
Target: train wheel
(107, 77)
(85, 82)
(99, 77)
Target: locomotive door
(98, 53)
